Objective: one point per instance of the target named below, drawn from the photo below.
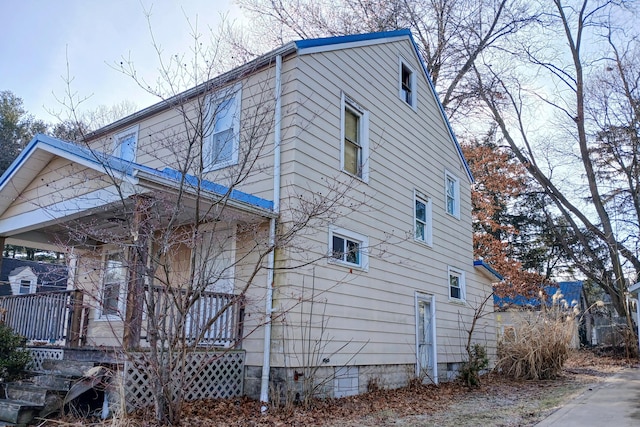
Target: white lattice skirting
(38, 355)
(207, 375)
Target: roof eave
(217, 82)
(154, 180)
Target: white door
(425, 332)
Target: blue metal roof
(352, 38)
(102, 161)
(571, 292)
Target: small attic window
(407, 84)
(125, 144)
(25, 287)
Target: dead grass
(499, 401)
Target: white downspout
(266, 362)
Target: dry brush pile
(539, 344)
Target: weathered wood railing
(49, 316)
(214, 319)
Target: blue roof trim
(215, 188)
(103, 160)
(444, 114)
(481, 263)
(571, 292)
(327, 41)
(95, 157)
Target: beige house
(315, 200)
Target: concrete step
(26, 393)
(50, 400)
(51, 382)
(67, 368)
(18, 411)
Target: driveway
(614, 402)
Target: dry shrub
(539, 345)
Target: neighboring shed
(38, 276)
(571, 293)
(516, 309)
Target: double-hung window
(407, 84)
(355, 139)
(25, 287)
(125, 144)
(113, 286)
(348, 248)
(422, 218)
(222, 129)
(456, 284)
(452, 195)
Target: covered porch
(111, 218)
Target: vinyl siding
(370, 315)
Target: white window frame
(427, 222)
(451, 178)
(29, 285)
(119, 140)
(413, 84)
(122, 291)
(456, 272)
(213, 102)
(363, 132)
(360, 239)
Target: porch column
(137, 263)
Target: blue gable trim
(101, 161)
(444, 114)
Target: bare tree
(452, 35)
(582, 154)
(175, 241)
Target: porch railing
(53, 317)
(214, 319)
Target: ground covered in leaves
(498, 401)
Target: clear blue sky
(37, 37)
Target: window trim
(363, 128)
(361, 239)
(402, 64)
(460, 274)
(428, 221)
(217, 98)
(122, 135)
(122, 292)
(448, 176)
(24, 283)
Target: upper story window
(422, 218)
(222, 129)
(452, 194)
(348, 248)
(125, 144)
(355, 139)
(456, 284)
(407, 84)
